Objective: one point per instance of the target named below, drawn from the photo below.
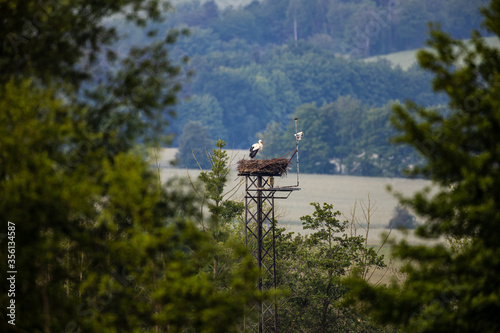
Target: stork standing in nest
(255, 148)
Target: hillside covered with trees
(252, 74)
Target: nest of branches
(272, 167)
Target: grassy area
(348, 194)
(406, 59)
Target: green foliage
(206, 110)
(221, 211)
(356, 28)
(451, 288)
(343, 137)
(402, 219)
(101, 246)
(29, 27)
(224, 215)
(193, 145)
(199, 42)
(255, 89)
(310, 268)
(136, 98)
(249, 97)
(127, 86)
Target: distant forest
(252, 68)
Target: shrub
(402, 219)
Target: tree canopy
(342, 137)
(311, 267)
(451, 288)
(98, 242)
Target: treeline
(343, 137)
(361, 28)
(235, 95)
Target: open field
(406, 59)
(344, 192)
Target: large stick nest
(272, 167)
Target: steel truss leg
(260, 239)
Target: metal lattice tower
(260, 239)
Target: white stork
(255, 148)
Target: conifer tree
(223, 214)
(99, 246)
(450, 290)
